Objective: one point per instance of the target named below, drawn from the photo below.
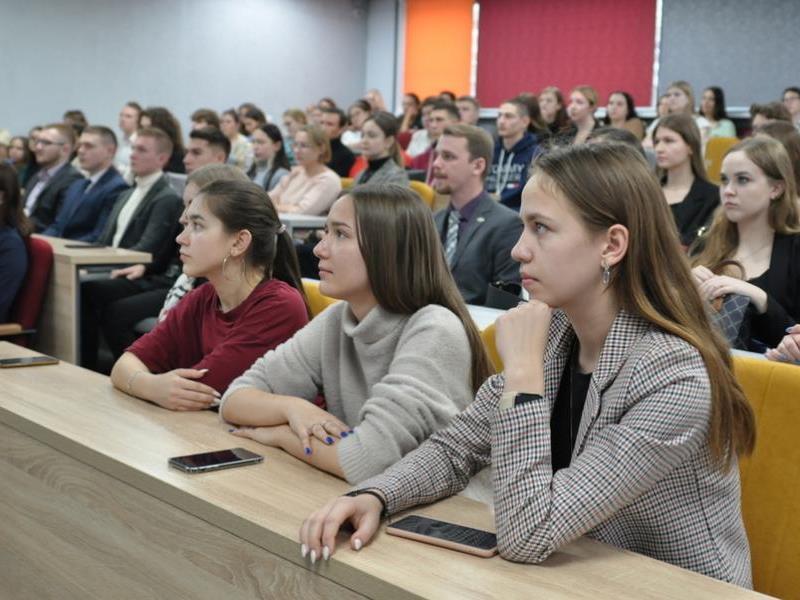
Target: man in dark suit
(88, 202)
(144, 218)
(333, 121)
(46, 190)
(477, 233)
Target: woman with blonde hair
(617, 416)
(758, 226)
(581, 109)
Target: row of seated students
(360, 389)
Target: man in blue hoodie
(513, 152)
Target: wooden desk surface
(93, 256)
(77, 412)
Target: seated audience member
(712, 107)
(791, 100)
(88, 202)
(310, 187)
(294, 119)
(241, 112)
(77, 120)
(469, 109)
(379, 146)
(553, 110)
(617, 416)
(514, 151)
(14, 228)
(682, 173)
(161, 118)
(581, 109)
(327, 102)
(205, 117)
(447, 96)
(46, 190)
(621, 113)
(144, 218)
(787, 135)
(241, 154)
(443, 115)
(662, 110)
(395, 360)
(681, 101)
(254, 118)
(5, 142)
(789, 348)
(252, 302)
(761, 114)
(616, 134)
(536, 125)
(271, 164)
(207, 145)
(411, 119)
(356, 115)
(313, 114)
(420, 139)
(477, 233)
(333, 122)
(128, 124)
(759, 228)
(21, 159)
(375, 100)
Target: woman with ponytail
(617, 415)
(252, 302)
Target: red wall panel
(525, 45)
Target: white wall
(183, 54)
(382, 68)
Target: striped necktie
(451, 240)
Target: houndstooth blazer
(641, 475)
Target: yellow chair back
(487, 336)
(771, 476)
(316, 301)
(715, 150)
(347, 183)
(425, 192)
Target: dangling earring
(606, 272)
(224, 263)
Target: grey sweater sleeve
(427, 384)
(295, 367)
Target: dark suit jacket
(83, 215)
(52, 197)
(483, 254)
(342, 158)
(152, 227)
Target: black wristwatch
(523, 398)
(384, 510)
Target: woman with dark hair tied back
(271, 163)
(253, 301)
(163, 119)
(617, 415)
(379, 146)
(712, 107)
(241, 154)
(621, 113)
(395, 360)
(14, 228)
(22, 159)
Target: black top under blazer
(695, 210)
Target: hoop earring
(606, 272)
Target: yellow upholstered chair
(487, 336)
(316, 301)
(771, 476)
(715, 150)
(425, 192)
(347, 183)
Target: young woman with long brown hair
(758, 227)
(617, 415)
(396, 360)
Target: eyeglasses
(41, 142)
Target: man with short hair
(205, 117)
(791, 100)
(761, 114)
(88, 202)
(513, 153)
(420, 141)
(207, 145)
(128, 124)
(477, 233)
(46, 190)
(144, 218)
(333, 121)
(469, 109)
(443, 115)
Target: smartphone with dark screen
(212, 461)
(27, 361)
(447, 535)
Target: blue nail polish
(308, 451)
(344, 434)
(231, 430)
(329, 440)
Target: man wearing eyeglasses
(47, 189)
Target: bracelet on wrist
(384, 508)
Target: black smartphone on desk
(447, 535)
(212, 461)
(27, 361)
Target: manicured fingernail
(789, 329)
(217, 395)
(344, 434)
(313, 556)
(357, 544)
(329, 440)
(231, 430)
(303, 550)
(326, 553)
(308, 451)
